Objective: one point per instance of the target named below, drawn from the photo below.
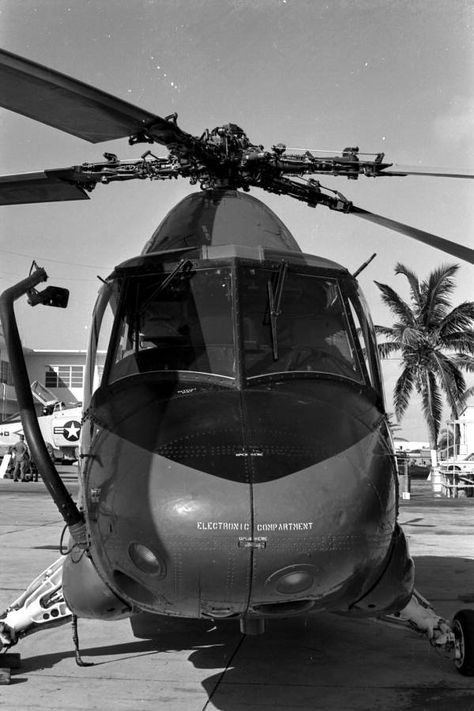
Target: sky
(385, 75)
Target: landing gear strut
(42, 605)
(457, 639)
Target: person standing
(22, 459)
(34, 467)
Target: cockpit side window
(365, 339)
(295, 323)
(102, 323)
(182, 322)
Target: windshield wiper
(274, 301)
(185, 265)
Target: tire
(463, 625)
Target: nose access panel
(323, 498)
(170, 501)
(167, 534)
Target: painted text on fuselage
(241, 526)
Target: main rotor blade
(434, 172)
(47, 186)
(457, 250)
(72, 106)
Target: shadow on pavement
(322, 661)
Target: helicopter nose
(165, 532)
(331, 534)
(204, 500)
(323, 530)
(165, 535)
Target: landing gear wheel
(463, 627)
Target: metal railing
(455, 483)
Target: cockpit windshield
(295, 322)
(177, 321)
(239, 321)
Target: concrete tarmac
(320, 663)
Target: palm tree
(436, 343)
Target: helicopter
(236, 461)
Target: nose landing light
(292, 580)
(145, 560)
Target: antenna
(364, 265)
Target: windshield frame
(342, 291)
(168, 272)
(347, 288)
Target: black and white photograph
(237, 355)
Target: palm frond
(387, 348)
(413, 281)
(432, 404)
(464, 361)
(458, 319)
(436, 290)
(462, 342)
(403, 390)
(396, 304)
(387, 331)
(450, 379)
(468, 393)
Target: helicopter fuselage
(236, 457)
